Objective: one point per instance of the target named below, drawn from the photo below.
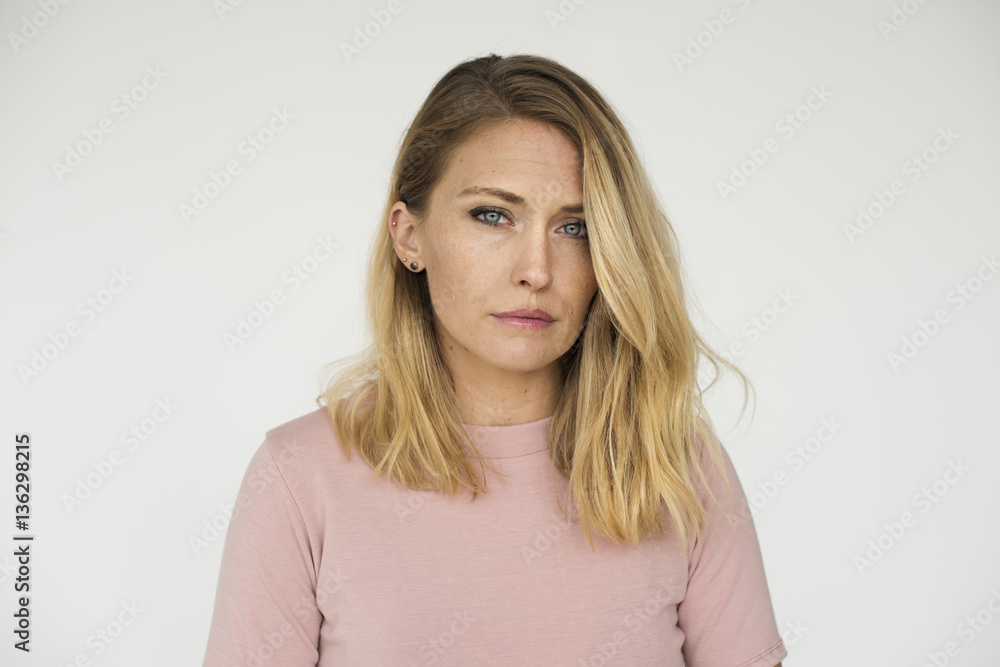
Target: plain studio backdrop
(189, 190)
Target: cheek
(456, 287)
(581, 306)
(583, 288)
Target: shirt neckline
(510, 440)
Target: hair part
(630, 430)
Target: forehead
(517, 152)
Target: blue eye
(582, 226)
(494, 218)
(496, 215)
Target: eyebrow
(514, 199)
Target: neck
(508, 398)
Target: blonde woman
(519, 470)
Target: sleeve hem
(769, 658)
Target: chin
(520, 359)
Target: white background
(325, 175)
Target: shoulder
(304, 451)
(713, 455)
(300, 461)
(310, 433)
(721, 492)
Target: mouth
(525, 318)
(536, 314)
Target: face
(504, 230)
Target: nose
(533, 258)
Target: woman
(528, 317)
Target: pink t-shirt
(322, 566)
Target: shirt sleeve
(726, 615)
(265, 605)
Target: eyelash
(476, 212)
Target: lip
(525, 318)
(526, 313)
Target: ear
(405, 236)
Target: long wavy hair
(629, 430)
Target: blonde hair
(629, 428)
